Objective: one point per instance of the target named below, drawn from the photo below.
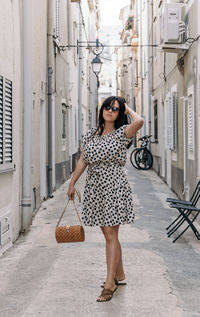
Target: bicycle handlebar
(145, 137)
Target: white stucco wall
(10, 68)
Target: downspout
(27, 123)
(149, 58)
(141, 68)
(50, 61)
(50, 140)
(133, 83)
(79, 50)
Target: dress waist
(96, 171)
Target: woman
(107, 196)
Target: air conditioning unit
(172, 28)
(171, 23)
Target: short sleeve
(87, 136)
(121, 136)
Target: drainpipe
(80, 86)
(149, 14)
(27, 123)
(50, 60)
(50, 145)
(141, 68)
(133, 84)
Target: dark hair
(122, 118)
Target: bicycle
(141, 158)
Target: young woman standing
(107, 201)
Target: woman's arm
(135, 125)
(80, 167)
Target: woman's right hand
(126, 109)
(71, 192)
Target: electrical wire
(115, 60)
(114, 45)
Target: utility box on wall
(171, 23)
(5, 232)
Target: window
(156, 120)
(172, 121)
(6, 144)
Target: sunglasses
(114, 109)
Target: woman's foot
(118, 280)
(120, 277)
(106, 294)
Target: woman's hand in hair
(135, 125)
(126, 108)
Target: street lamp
(96, 67)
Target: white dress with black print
(107, 197)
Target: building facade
(45, 102)
(168, 87)
(175, 96)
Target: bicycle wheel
(143, 159)
(132, 158)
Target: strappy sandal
(118, 283)
(106, 295)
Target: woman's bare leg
(119, 276)
(113, 256)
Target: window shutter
(57, 20)
(174, 121)
(1, 119)
(8, 121)
(169, 128)
(190, 123)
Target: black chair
(186, 210)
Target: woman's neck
(109, 127)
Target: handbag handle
(65, 208)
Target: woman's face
(110, 113)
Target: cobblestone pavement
(39, 277)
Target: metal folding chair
(186, 209)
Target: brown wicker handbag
(66, 234)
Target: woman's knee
(110, 233)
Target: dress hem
(104, 225)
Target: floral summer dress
(107, 199)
